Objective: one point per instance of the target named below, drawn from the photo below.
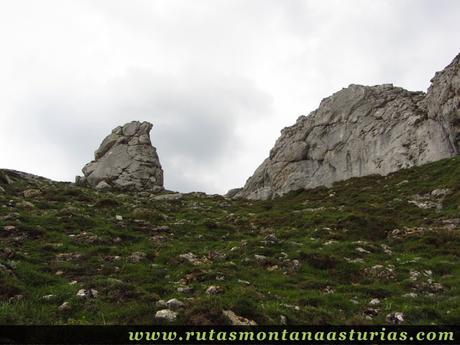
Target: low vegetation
(355, 253)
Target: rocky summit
(363, 130)
(125, 160)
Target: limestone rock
(175, 304)
(125, 160)
(443, 100)
(363, 130)
(237, 320)
(232, 192)
(166, 315)
(168, 197)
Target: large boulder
(363, 130)
(125, 160)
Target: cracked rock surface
(363, 130)
(125, 160)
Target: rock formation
(363, 130)
(125, 160)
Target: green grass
(73, 231)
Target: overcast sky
(218, 79)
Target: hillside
(310, 257)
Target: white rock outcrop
(363, 130)
(125, 160)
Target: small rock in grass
(87, 293)
(161, 304)
(65, 306)
(283, 320)
(362, 250)
(214, 290)
(137, 257)
(175, 304)
(237, 320)
(166, 315)
(374, 301)
(185, 289)
(30, 193)
(395, 318)
(49, 297)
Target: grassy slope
(321, 228)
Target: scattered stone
(185, 289)
(386, 249)
(16, 298)
(374, 301)
(381, 272)
(406, 232)
(30, 193)
(9, 228)
(271, 238)
(283, 320)
(451, 224)
(65, 306)
(328, 290)
(118, 217)
(166, 315)
(395, 318)
(168, 197)
(441, 193)
(87, 293)
(261, 259)
(237, 320)
(362, 250)
(137, 257)
(328, 243)
(371, 312)
(175, 304)
(424, 204)
(423, 282)
(214, 290)
(294, 265)
(272, 268)
(68, 256)
(193, 259)
(161, 304)
(49, 297)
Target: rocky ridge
(125, 160)
(363, 130)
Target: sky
(218, 79)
